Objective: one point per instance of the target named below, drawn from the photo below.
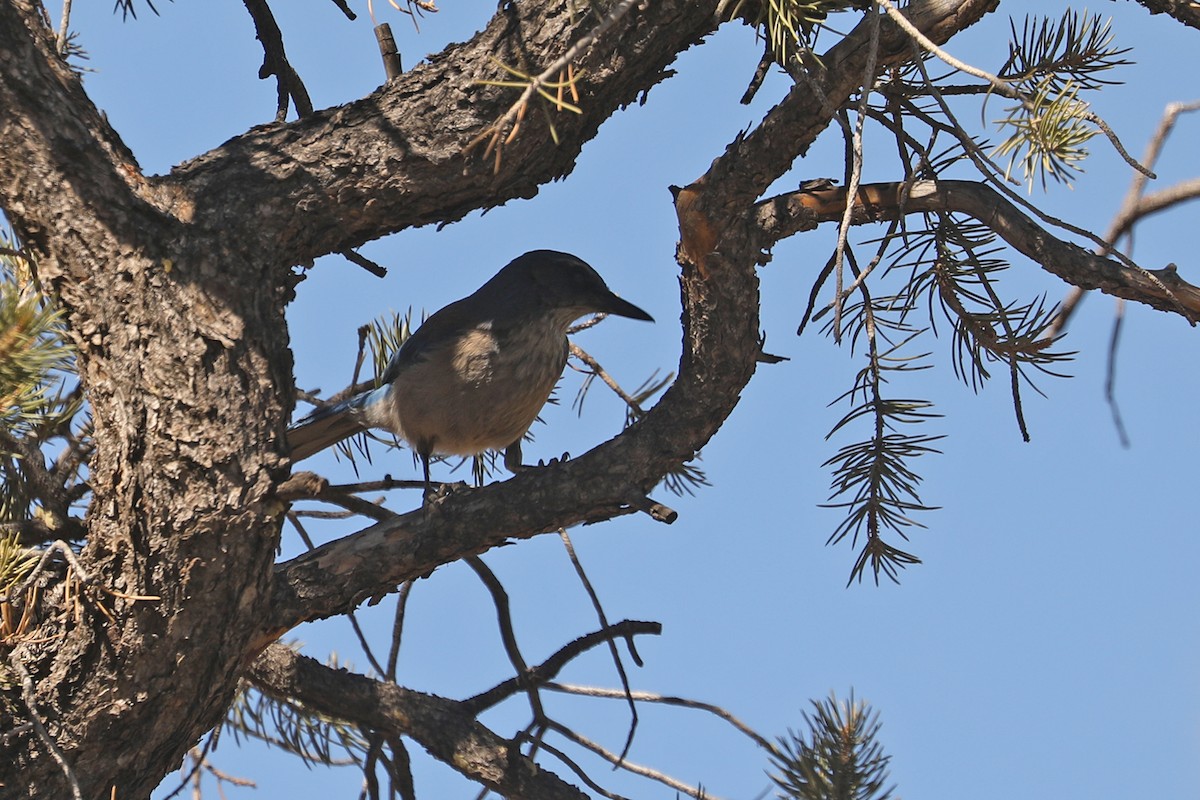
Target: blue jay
(476, 374)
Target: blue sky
(1046, 648)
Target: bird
(475, 375)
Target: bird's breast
(480, 392)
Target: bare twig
(1110, 383)
(628, 766)
(580, 772)
(398, 628)
(553, 665)
(669, 700)
(608, 379)
(57, 546)
(287, 81)
(360, 260)
(30, 700)
(507, 634)
(612, 646)
(856, 164)
(64, 29)
(364, 644)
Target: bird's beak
(622, 308)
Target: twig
(612, 645)
(356, 505)
(1110, 383)
(8, 252)
(507, 635)
(345, 9)
(628, 766)
(64, 29)
(287, 81)
(398, 629)
(553, 665)
(669, 700)
(388, 51)
(360, 260)
(580, 772)
(856, 162)
(57, 546)
(609, 381)
(401, 769)
(383, 485)
(28, 696)
(1136, 205)
(362, 641)
(198, 756)
(656, 510)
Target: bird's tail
(329, 425)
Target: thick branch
(1162, 289)
(796, 122)
(61, 157)
(752, 163)
(439, 725)
(337, 576)
(396, 159)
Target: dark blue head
(560, 283)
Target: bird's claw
(553, 461)
(436, 494)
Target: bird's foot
(436, 494)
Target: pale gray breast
(482, 391)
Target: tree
(173, 292)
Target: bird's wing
(442, 329)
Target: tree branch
(1162, 289)
(395, 159)
(441, 726)
(51, 130)
(337, 576)
(753, 162)
(548, 669)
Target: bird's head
(548, 281)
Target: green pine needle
(837, 758)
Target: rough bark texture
(177, 308)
